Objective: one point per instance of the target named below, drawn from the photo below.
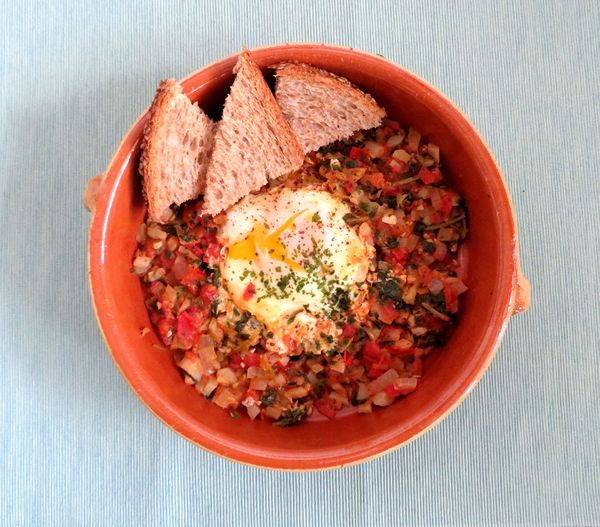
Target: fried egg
(288, 251)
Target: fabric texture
(78, 448)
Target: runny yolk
(260, 240)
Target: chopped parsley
(291, 417)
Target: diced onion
(414, 138)
(406, 384)
(401, 155)
(339, 366)
(365, 408)
(207, 385)
(253, 371)
(140, 235)
(375, 149)
(274, 412)
(404, 344)
(385, 379)
(155, 232)
(440, 252)
(394, 141)
(435, 286)
(297, 393)
(434, 151)
(316, 367)
(155, 275)
(258, 383)
(383, 399)
(180, 267)
(338, 400)
(224, 398)
(253, 411)
(141, 264)
(226, 376)
(280, 379)
(448, 234)
(363, 392)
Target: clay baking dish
(496, 288)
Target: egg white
(322, 253)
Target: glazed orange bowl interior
(449, 372)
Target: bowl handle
(92, 189)
(523, 293)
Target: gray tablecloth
(77, 447)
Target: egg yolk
(265, 242)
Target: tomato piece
(187, 328)
(349, 187)
(387, 312)
(446, 207)
(165, 330)
(395, 392)
(377, 179)
(252, 359)
(451, 298)
(425, 274)
(398, 351)
(156, 288)
(399, 255)
(281, 368)
(371, 350)
(348, 358)
(193, 277)
(356, 153)
(349, 330)
(167, 259)
(416, 368)
(249, 292)
(429, 176)
(235, 360)
(398, 167)
(254, 394)
(324, 407)
(378, 368)
(435, 218)
(213, 250)
(390, 190)
(208, 293)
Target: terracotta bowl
(496, 287)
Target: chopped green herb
(291, 417)
(389, 289)
(268, 397)
(352, 220)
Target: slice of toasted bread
(253, 141)
(322, 107)
(176, 149)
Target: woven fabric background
(76, 446)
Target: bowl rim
(182, 425)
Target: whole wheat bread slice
(176, 149)
(322, 107)
(253, 141)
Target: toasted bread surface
(253, 141)
(322, 107)
(176, 149)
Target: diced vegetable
(373, 342)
